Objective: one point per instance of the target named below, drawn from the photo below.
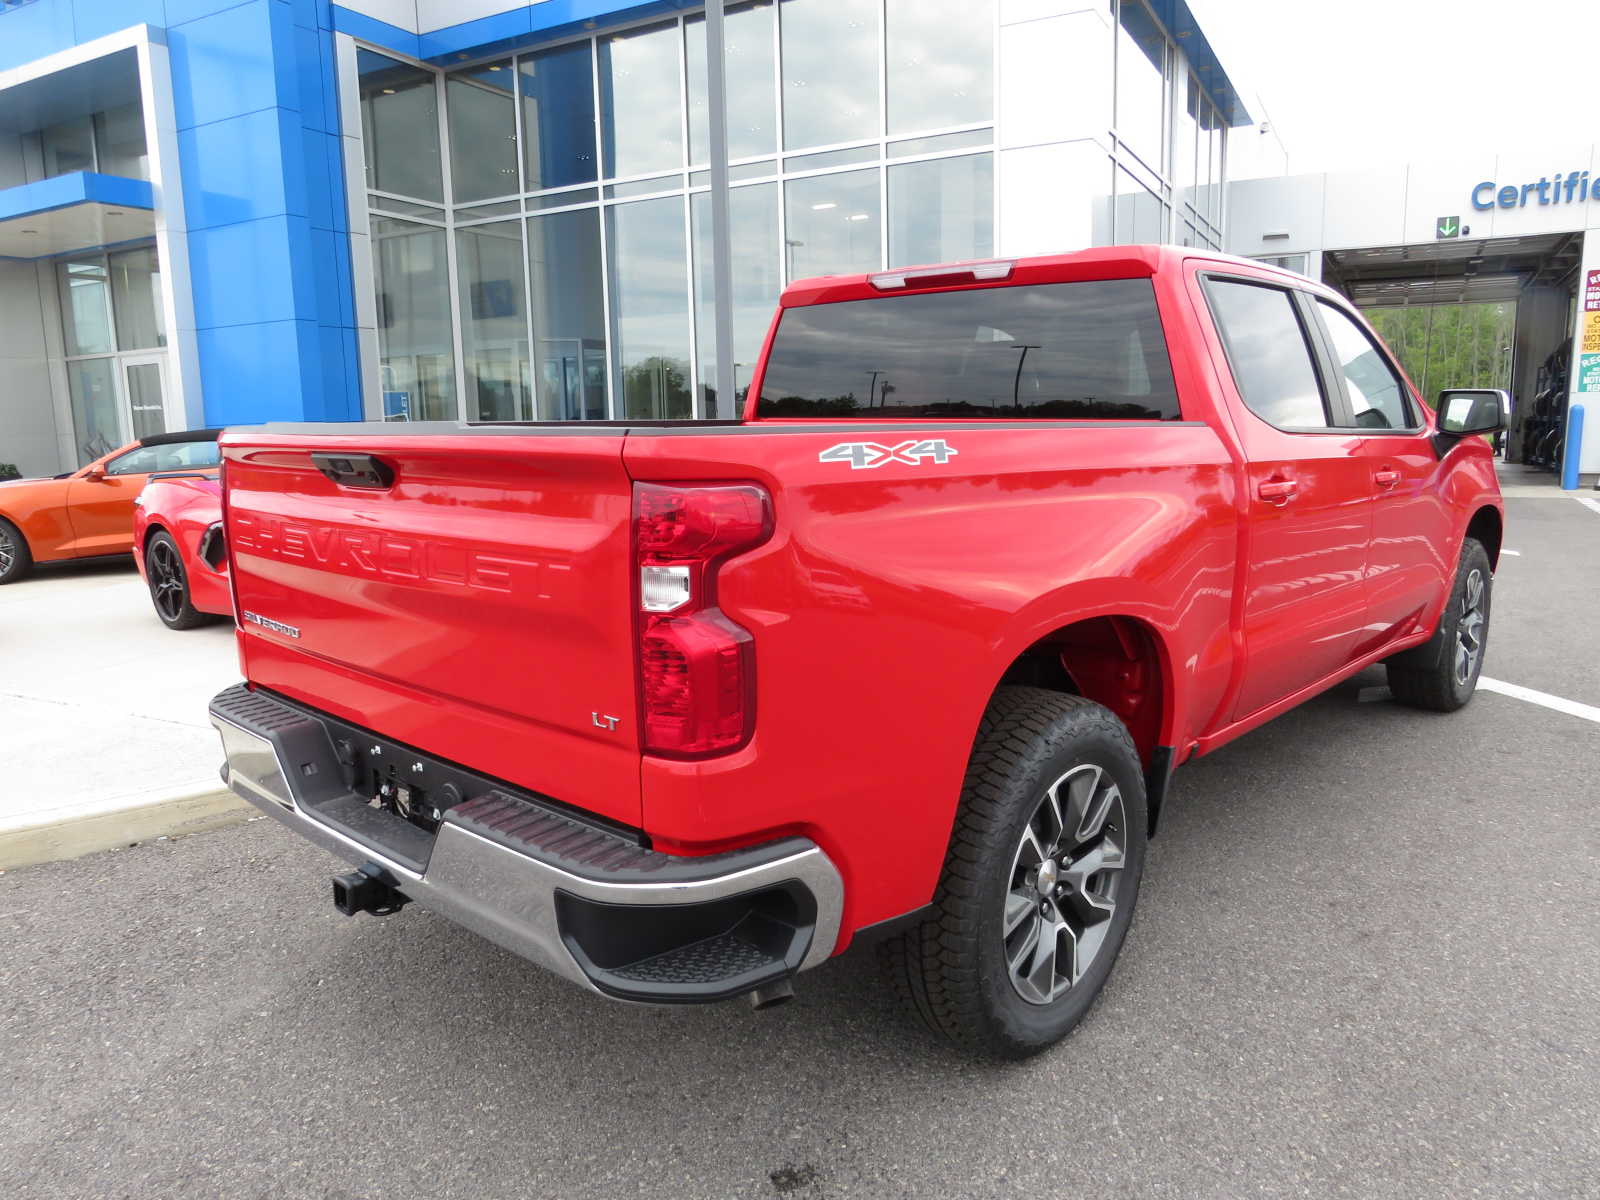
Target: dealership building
(215, 212)
(218, 213)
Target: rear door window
(1269, 352)
(1081, 351)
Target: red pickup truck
(905, 657)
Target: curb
(189, 811)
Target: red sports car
(177, 542)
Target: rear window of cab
(1076, 351)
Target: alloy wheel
(8, 552)
(1469, 629)
(166, 579)
(1064, 883)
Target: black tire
(16, 560)
(1442, 673)
(955, 967)
(169, 583)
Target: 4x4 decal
(870, 454)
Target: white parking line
(1571, 707)
(1513, 553)
(1588, 503)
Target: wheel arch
(1488, 527)
(1118, 660)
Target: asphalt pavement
(1366, 962)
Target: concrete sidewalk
(103, 724)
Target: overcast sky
(1351, 83)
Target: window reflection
(483, 133)
(941, 211)
(92, 385)
(415, 352)
(650, 302)
(400, 127)
(830, 71)
(640, 102)
(569, 315)
(68, 147)
(494, 326)
(833, 224)
(752, 116)
(941, 63)
(754, 235)
(558, 117)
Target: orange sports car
(88, 513)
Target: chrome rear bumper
(581, 900)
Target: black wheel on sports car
(1039, 882)
(15, 558)
(169, 584)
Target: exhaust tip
(771, 995)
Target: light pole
(1016, 383)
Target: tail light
(697, 668)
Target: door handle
(1386, 477)
(1277, 491)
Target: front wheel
(15, 558)
(1443, 673)
(1039, 881)
(169, 584)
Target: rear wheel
(1442, 674)
(1039, 882)
(169, 583)
(15, 558)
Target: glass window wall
(600, 223)
(941, 210)
(566, 266)
(483, 133)
(86, 306)
(833, 224)
(558, 117)
(68, 147)
(752, 114)
(494, 322)
(415, 340)
(640, 101)
(650, 308)
(1141, 90)
(400, 127)
(119, 139)
(136, 299)
(831, 60)
(941, 64)
(753, 213)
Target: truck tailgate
(472, 600)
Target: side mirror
(95, 474)
(1465, 411)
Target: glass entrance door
(144, 381)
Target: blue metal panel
(96, 18)
(370, 29)
(80, 187)
(239, 388)
(335, 398)
(34, 31)
(234, 62)
(324, 189)
(180, 11)
(253, 272)
(240, 169)
(535, 23)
